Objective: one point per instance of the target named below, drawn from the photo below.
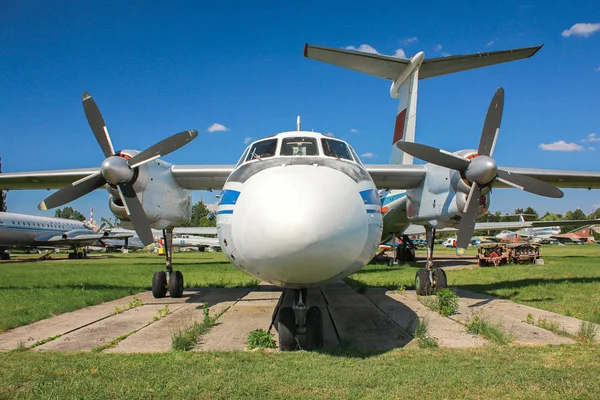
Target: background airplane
(29, 231)
(300, 208)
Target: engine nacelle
(441, 198)
(164, 201)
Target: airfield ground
(369, 349)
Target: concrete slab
(511, 316)
(253, 311)
(360, 321)
(65, 323)
(406, 311)
(519, 312)
(156, 337)
(108, 329)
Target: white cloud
(438, 47)
(591, 138)
(354, 130)
(491, 42)
(410, 40)
(367, 155)
(247, 140)
(597, 69)
(364, 48)
(217, 128)
(400, 53)
(591, 148)
(581, 29)
(329, 134)
(561, 145)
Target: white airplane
(300, 209)
(30, 231)
(534, 235)
(199, 242)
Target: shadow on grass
(522, 283)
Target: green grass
(568, 283)
(186, 339)
(547, 372)
(31, 291)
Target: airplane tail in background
(405, 75)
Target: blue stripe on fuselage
(370, 196)
(389, 199)
(229, 197)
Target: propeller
(117, 170)
(481, 170)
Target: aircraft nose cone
(299, 224)
(116, 170)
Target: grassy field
(568, 283)
(31, 291)
(547, 372)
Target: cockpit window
(263, 149)
(243, 157)
(356, 158)
(299, 146)
(335, 148)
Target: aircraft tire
(159, 284)
(441, 282)
(286, 329)
(410, 255)
(4, 256)
(314, 328)
(423, 282)
(176, 284)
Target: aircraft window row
(299, 146)
(42, 225)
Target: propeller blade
(529, 184)
(163, 148)
(435, 156)
(491, 126)
(97, 124)
(73, 191)
(136, 213)
(467, 222)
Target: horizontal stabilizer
(391, 68)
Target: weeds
(186, 339)
(492, 332)
(587, 331)
(113, 342)
(20, 347)
(43, 341)
(260, 339)
(445, 302)
(424, 340)
(134, 303)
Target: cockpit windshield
(299, 146)
(335, 148)
(262, 149)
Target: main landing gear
(4, 256)
(430, 280)
(77, 255)
(299, 327)
(404, 251)
(167, 280)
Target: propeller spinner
(116, 170)
(481, 170)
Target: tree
(201, 216)
(69, 213)
(551, 217)
(110, 222)
(577, 214)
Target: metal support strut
(430, 239)
(168, 246)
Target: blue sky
(156, 68)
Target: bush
(447, 302)
(260, 339)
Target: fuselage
(299, 210)
(30, 230)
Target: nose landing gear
(299, 326)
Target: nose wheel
(299, 327)
(169, 280)
(430, 280)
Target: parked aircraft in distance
(31, 231)
(199, 242)
(275, 218)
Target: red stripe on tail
(399, 128)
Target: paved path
(375, 320)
